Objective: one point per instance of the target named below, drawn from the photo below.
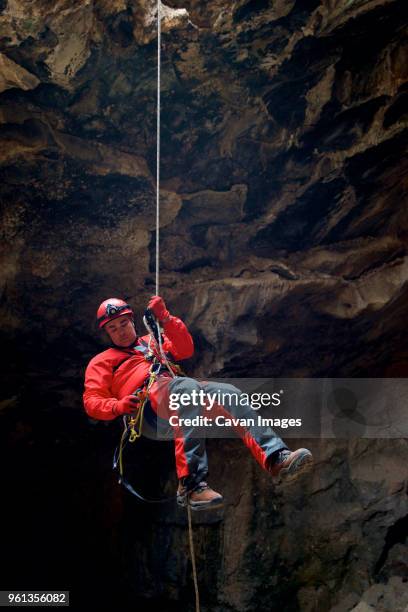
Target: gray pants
(190, 442)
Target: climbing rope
(193, 563)
(158, 142)
(161, 352)
(135, 423)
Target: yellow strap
(136, 422)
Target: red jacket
(117, 372)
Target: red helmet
(112, 309)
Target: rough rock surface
(283, 139)
(283, 245)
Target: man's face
(121, 331)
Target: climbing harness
(132, 425)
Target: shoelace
(284, 454)
(201, 487)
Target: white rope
(190, 527)
(158, 142)
(193, 562)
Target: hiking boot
(201, 497)
(290, 463)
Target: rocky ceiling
(284, 220)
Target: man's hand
(158, 308)
(127, 405)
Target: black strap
(123, 481)
(116, 367)
(142, 349)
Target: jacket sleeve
(98, 400)
(177, 339)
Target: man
(114, 375)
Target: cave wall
(283, 246)
(283, 134)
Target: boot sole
(298, 466)
(200, 506)
(213, 505)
